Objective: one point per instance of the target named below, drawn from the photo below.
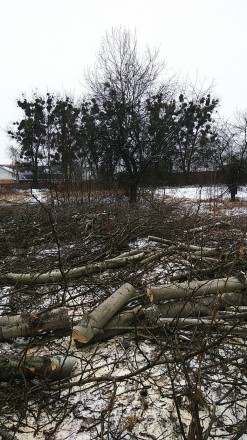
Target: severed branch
(56, 276)
(31, 367)
(198, 306)
(197, 250)
(195, 288)
(93, 324)
(187, 323)
(33, 324)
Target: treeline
(133, 126)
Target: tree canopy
(134, 121)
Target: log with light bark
(136, 251)
(195, 288)
(93, 323)
(34, 323)
(154, 256)
(56, 276)
(199, 306)
(121, 323)
(35, 367)
(198, 250)
(181, 308)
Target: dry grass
(14, 196)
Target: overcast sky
(47, 44)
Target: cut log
(120, 324)
(200, 306)
(153, 257)
(174, 309)
(56, 276)
(93, 324)
(194, 288)
(33, 324)
(30, 367)
(144, 249)
(198, 250)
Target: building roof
(7, 175)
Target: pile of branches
(192, 308)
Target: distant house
(25, 176)
(7, 175)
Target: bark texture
(30, 325)
(199, 306)
(194, 288)
(56, 276)
(30, 367)
(93, 324)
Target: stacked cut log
(185, 304)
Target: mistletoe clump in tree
(145, 126)
(31, 132)
(48, 134)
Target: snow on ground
(196, 193)
(214, 199)
(37, 195)
(201, 193)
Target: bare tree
(230, 151)
(121, 82)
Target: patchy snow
(201, 193)
(38, 195)
(143, 407)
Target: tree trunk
(233, 192)
(133, 187)
(194, 288)
(31, 367)
(93, 324)
(33, 324)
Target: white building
(7, 175)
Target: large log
(33, 324)
(56, 276)
(194, 288)
(93, 323)
(30, 367)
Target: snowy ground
(196, 193)
(201, 193)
